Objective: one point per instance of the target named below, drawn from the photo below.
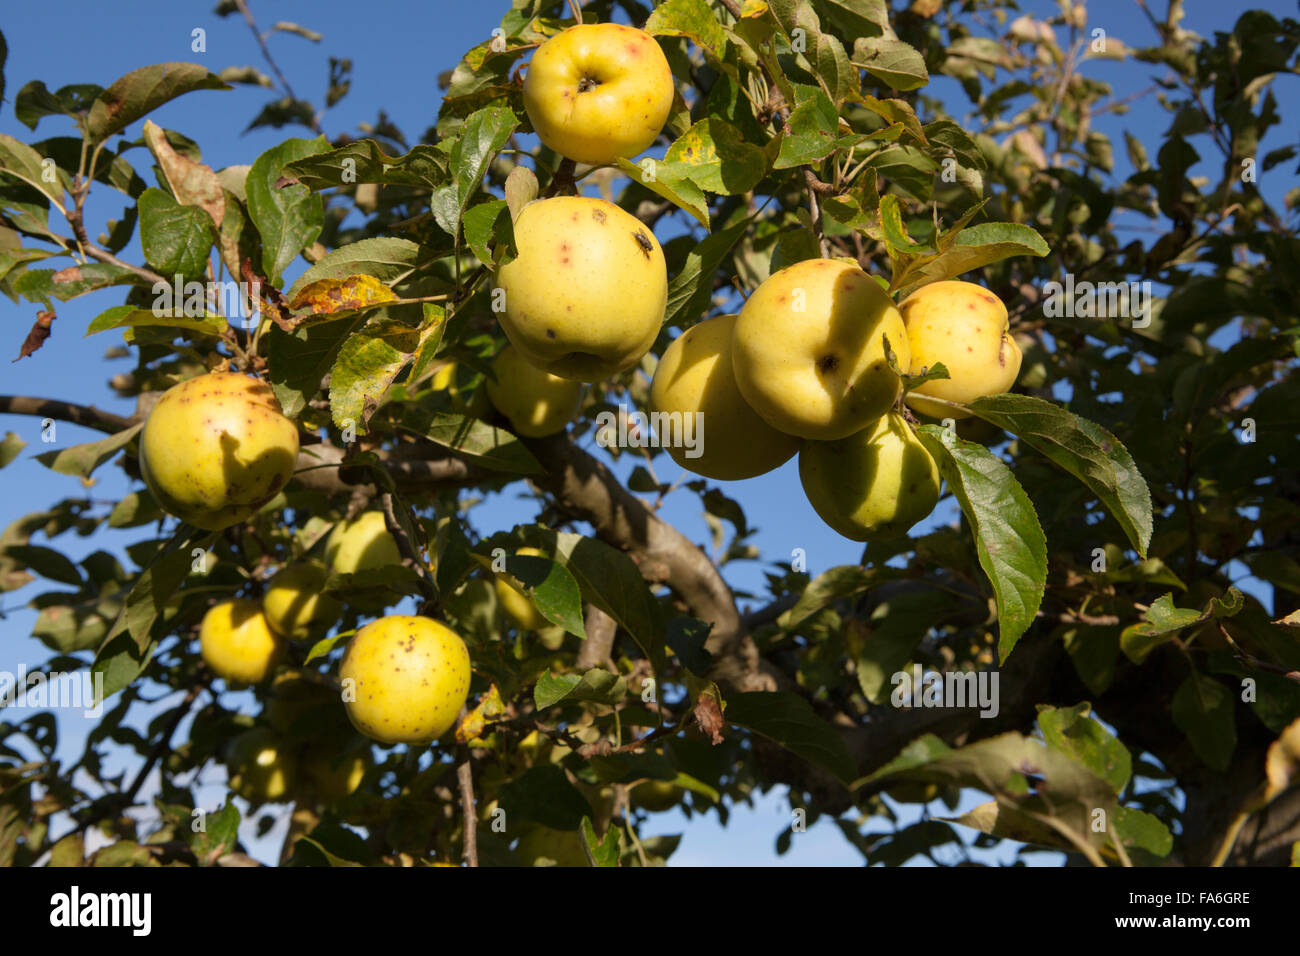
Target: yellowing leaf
(327, 296)
(490, 706)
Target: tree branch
(465, 778)
(585, 489)
(87, 415)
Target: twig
(164, 744)
(407, 547)
(266, 53)
(465, 777)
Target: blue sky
(398, 48)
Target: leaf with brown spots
(335, 296)
(40, 331)
(490, 707)
(193, 184)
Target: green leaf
(812, 132)
(424, 167)
(716, 157)
(34, 101)
(1142, 831)
(544, 795)
(81, 460)
(297, 361)
(611, 580)
(895, 233)
(10, 447)
(486, 223)
(1008, 539)
(290, 218)
(597, 685)
(489, 446)
(219, 835)
(790, 721)
(692, 19)
(1202, 709)
(690, 291)
(323, 647)
(827, 588)
(388, 259)
(898, 64)
(367, 363)
(974, 248)
(68, 628)
(551, 588)
(482, 137)
(1164, 621)
(898, 625)
(671, 181)
(142, 91)
(176, 239)
(600, 852)
(22, 162)
(1074, 732)
(1082, 448)
(46, 562)
(130, 317)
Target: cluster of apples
(812, 363)
(214, 450)
(806, 368)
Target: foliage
(1108, 507)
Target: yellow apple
(296, 706)
(655, 796)
(542, 846)
(695, 377)
(536, 402)
(261, 768)
(295, 603)
(598, 91)
(518, 606)
(872, 485)
(808, 350)
(216, 448)
(586, 296)
(405, 679)
(238, 644)
(361, 545)
(334, 774)
(965, 327)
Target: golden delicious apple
(872, 485)
(237, 643)
(405, 679)
(216, 448)
(808, 350)
(334, 774)
(296, 705)
(695, 377)
(598, 91)
(260, 768)
(295, 603)
(965, 327)
(542, 846)
(518, 606)
(655, 796)
(586, 296)
(361, 544)
(536, 402)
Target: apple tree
(1121, 568)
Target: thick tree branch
(595, 651)
(87, 415)
(585, 489)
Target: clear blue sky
(398, 48)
